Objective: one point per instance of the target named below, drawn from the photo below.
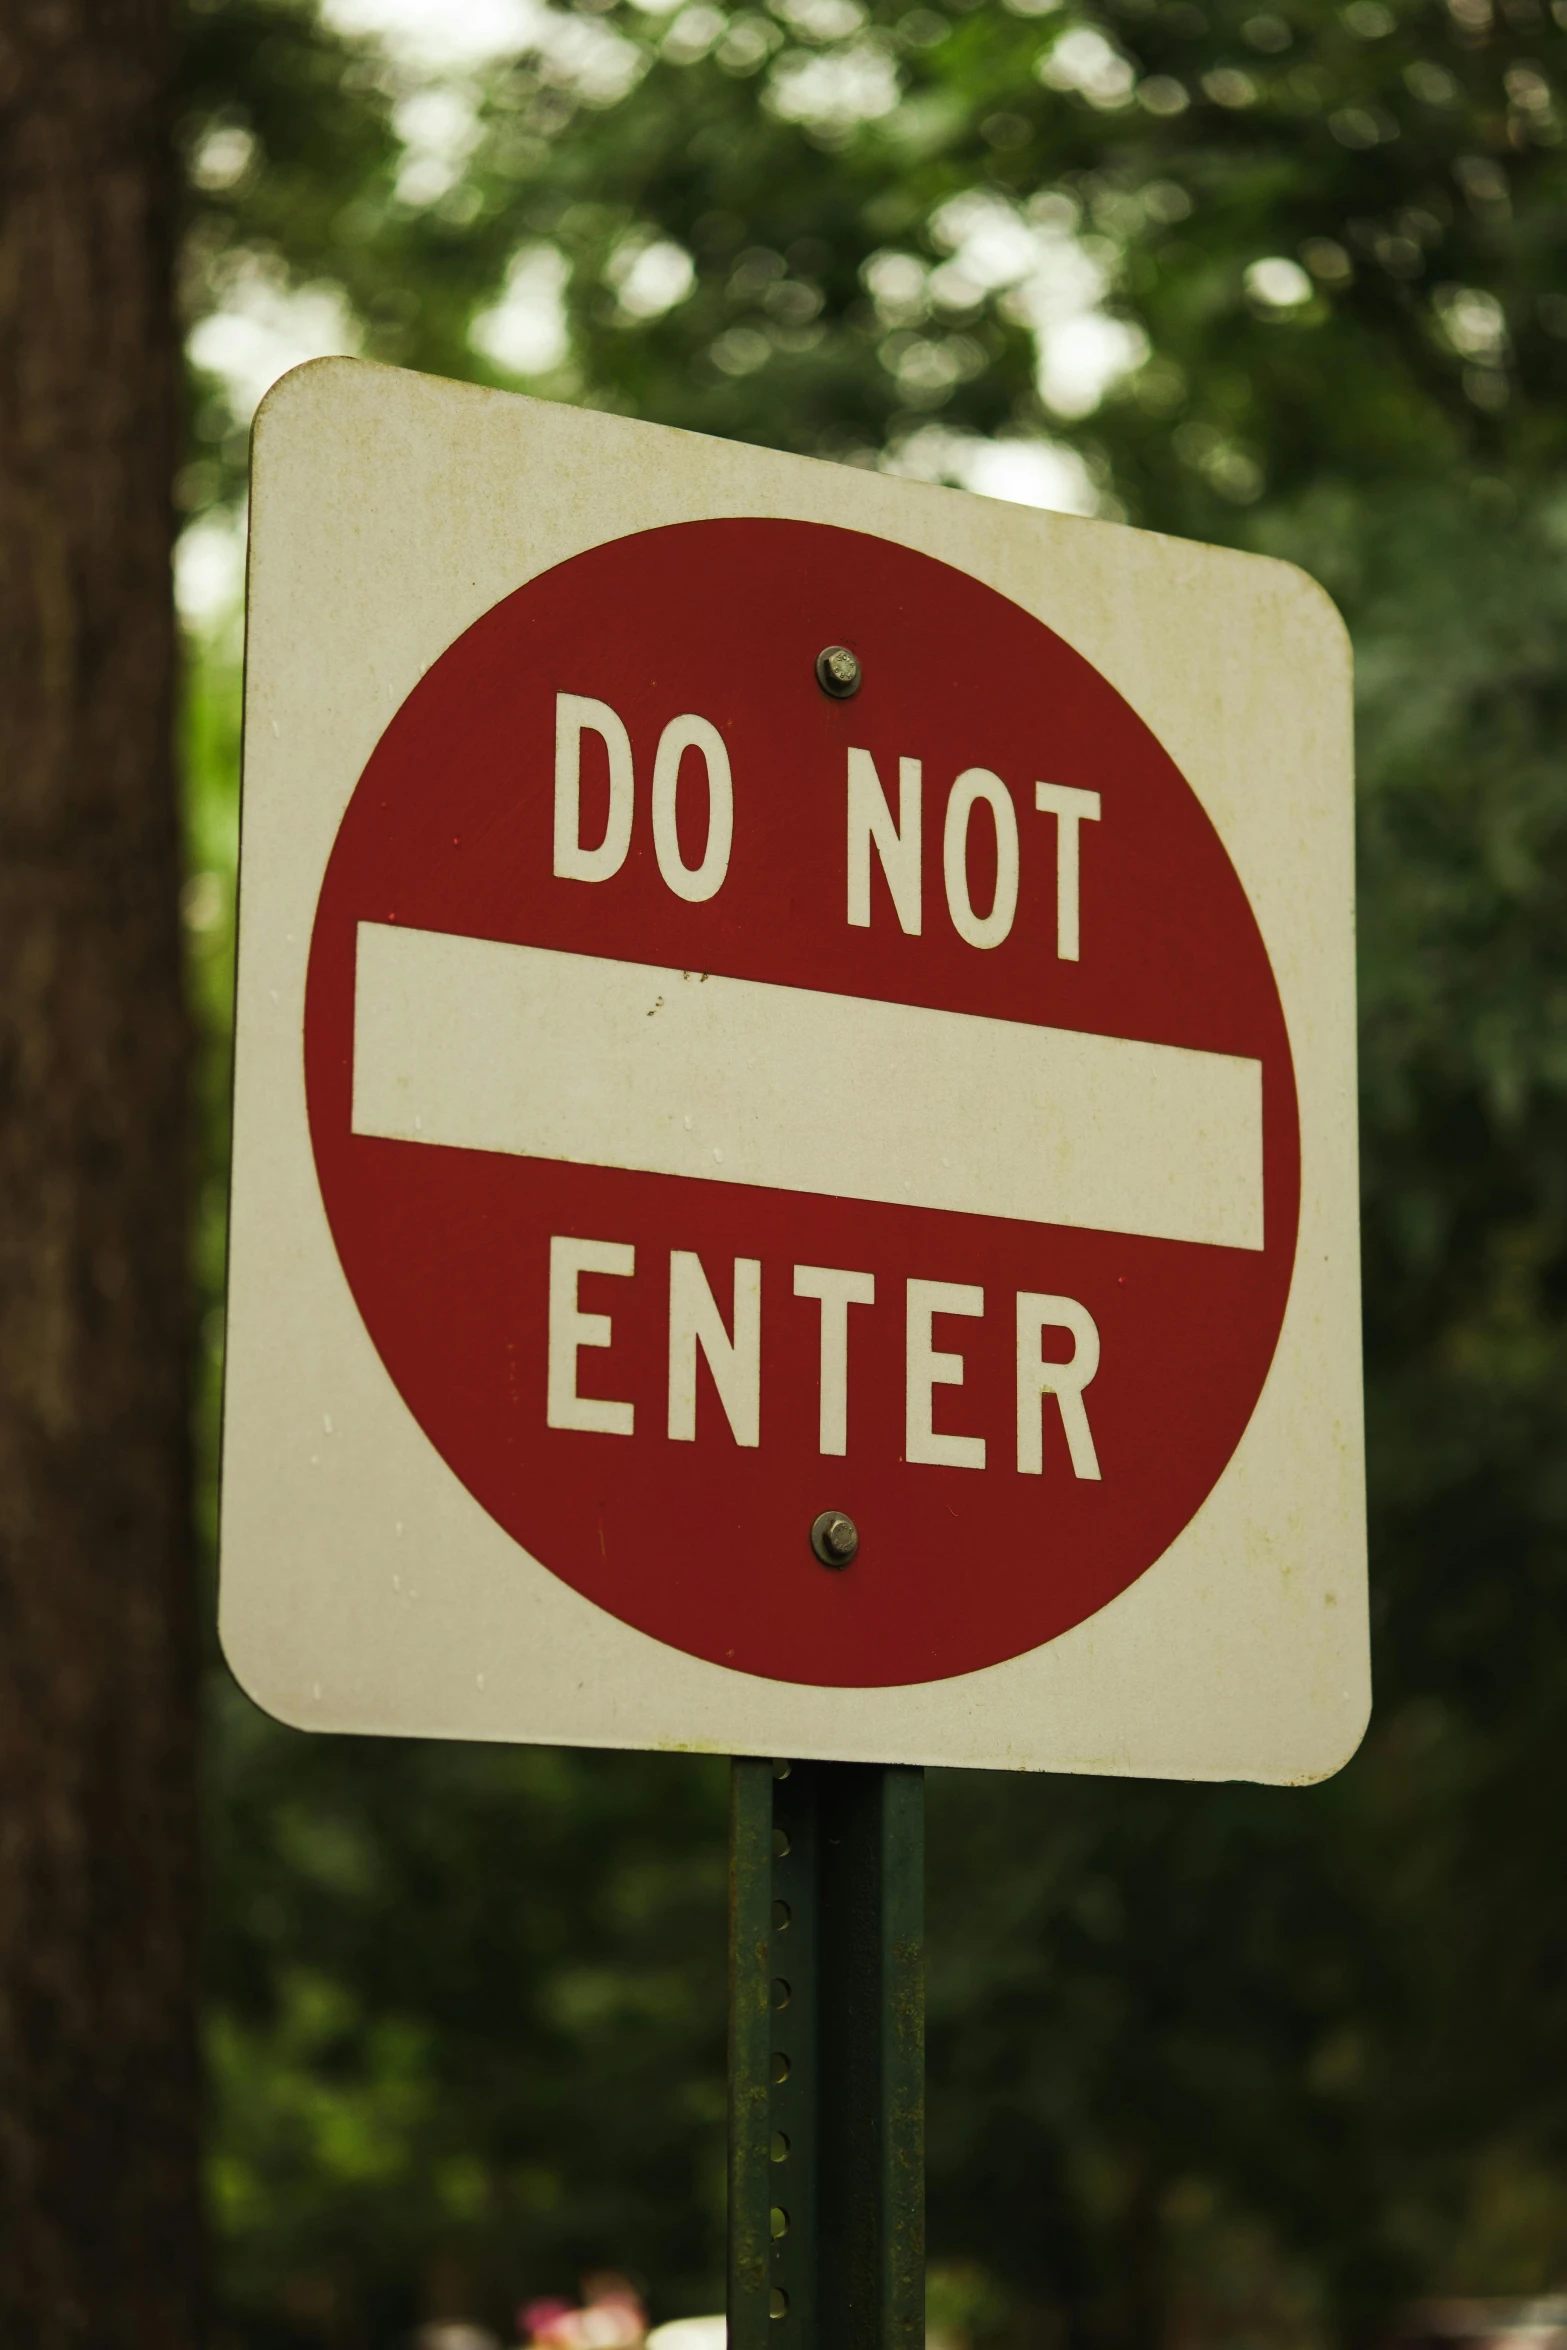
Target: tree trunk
(98, 2099)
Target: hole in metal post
(781, 1916)
(780, 1845)
(778, 2220)
(778, 2148)
(781, 2068)
(780, 1992)
(777, 2302)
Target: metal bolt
(835, 1538)
(838, 672)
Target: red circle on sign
(694, 1524)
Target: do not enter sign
(797, 1183)
(732, 1101)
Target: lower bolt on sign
(794, 1179)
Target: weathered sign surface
(795, 1176)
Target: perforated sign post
(794, 1182)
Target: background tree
(98, 2208)
(1208, 2065)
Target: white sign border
(363, 1588)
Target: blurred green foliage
(1214, 2067)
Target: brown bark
(98, 2207)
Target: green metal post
(826, 2057)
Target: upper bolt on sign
(838, 672)
(676, 1061)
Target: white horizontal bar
(490, 1047)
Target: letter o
(690, 733)
(973, 785)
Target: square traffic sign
(794, 1178)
